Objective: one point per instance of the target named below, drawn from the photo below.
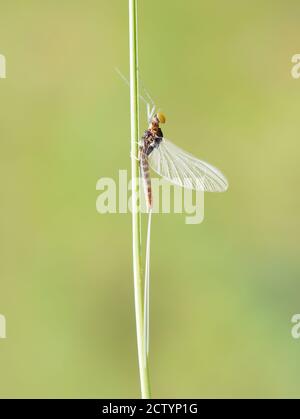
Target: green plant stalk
(136, 214)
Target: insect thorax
(151, 141)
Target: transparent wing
(183, 169)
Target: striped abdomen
(145, 171)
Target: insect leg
(134, 157)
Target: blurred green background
(223, 292)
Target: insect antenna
(147, 99)
(147, 93)
(126, 81)
(151, 107)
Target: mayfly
(170, 161)
(174, 164)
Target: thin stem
(147, 288)
(136, 226)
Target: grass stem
(136, 214)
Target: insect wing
(185, 170)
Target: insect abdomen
(146, 178)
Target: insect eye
(161, 117)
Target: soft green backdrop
(223, 292)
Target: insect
(173, 163)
